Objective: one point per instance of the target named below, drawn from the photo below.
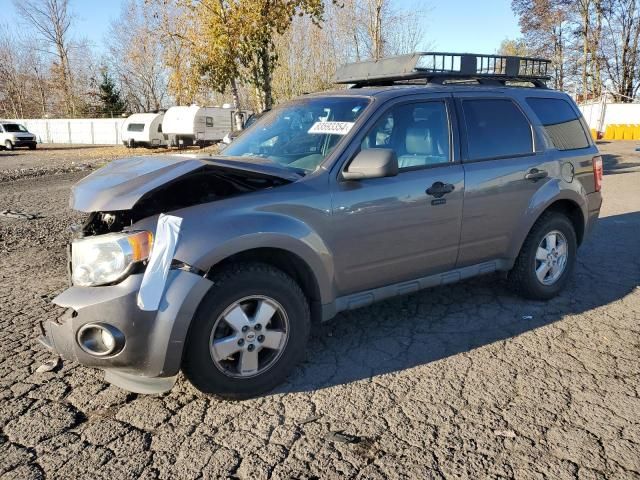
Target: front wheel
(8, 145)
(547, 258)
(249, 332)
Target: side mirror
(372, 163)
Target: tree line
(158, 53)
(593, 44)
(253, 53)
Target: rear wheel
(8, 145)
(547, 258)
(249, 332)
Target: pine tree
(112, 102)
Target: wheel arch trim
(552, 195)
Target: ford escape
(429, 169)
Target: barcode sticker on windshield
(336, 128)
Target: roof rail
(439, 67)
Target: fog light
(100, 339)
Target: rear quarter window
(560, 121)
(496, 128)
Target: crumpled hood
(121, 183)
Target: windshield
(300, 135)
(13, 127)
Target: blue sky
(473, 26)
(456, 25)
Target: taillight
(597, 172)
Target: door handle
(534, 174)
(439, 189)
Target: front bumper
(24, 142)
(154, 340)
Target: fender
(208, 241)
(550, 192)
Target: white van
(13, 135)
(144, 130)
(197, 125)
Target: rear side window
(560, 121)
(135, 127)
(209, 121)
(496, 128)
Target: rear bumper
(154, 340)
(594, 202)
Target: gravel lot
(51, 158)
(464, 381)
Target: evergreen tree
(112, 102)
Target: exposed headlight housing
(105, 259)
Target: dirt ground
(54, 158)
(462, 381)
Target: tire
(32, 147)
(523, 277)
(225, 377)
(8, 145)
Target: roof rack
(440, 67)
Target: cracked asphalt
(462, 381)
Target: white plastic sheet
(155, 277)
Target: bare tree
(135, 55)
(12, 88)
(309, 53)
(51, 19)
(620, 47)
(545, 26)
(591, 42)
(24, 76)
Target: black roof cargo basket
(440, 67)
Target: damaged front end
(103, 326)
(116, 200)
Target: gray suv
(430, 169)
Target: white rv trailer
(197, 125)
(144, 130)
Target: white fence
(87, 131)
(106, 131)
(600, 114)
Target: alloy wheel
(249, 336)
(551, 257)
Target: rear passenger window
(496, 128)
(561, 122)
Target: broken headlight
(107, 258)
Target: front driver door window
(417, 132)
(389, 230)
